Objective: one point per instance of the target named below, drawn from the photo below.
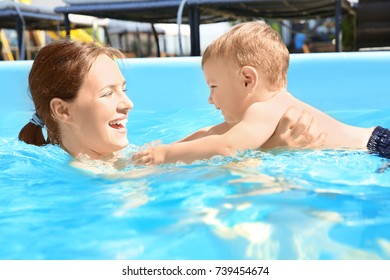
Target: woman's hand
(296, 131)
(152, 156)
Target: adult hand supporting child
(296, 130)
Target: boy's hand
(151, 156)
(296, 131)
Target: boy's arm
(296, 129)
(196, 135)
(211, 130)
(254, 129)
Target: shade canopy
(23, 17)
(35, 17)
(165, 11)
(196, 12)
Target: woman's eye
(107, 94)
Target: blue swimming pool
(314, 204)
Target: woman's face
(99, 112)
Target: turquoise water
(320, 204)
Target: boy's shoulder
(269, 110)
(279, 100)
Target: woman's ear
(59, 109)
(249, 77)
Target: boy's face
(226, 91)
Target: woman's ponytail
(32, 132)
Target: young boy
(246, 70)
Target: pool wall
(328, 81)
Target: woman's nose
(126, 103)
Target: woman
(80, 96)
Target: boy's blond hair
(253, 44)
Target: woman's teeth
(118, 124)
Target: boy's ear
(59, 109)
(249, 77)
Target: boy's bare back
(339, 135)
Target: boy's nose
(211, 101)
